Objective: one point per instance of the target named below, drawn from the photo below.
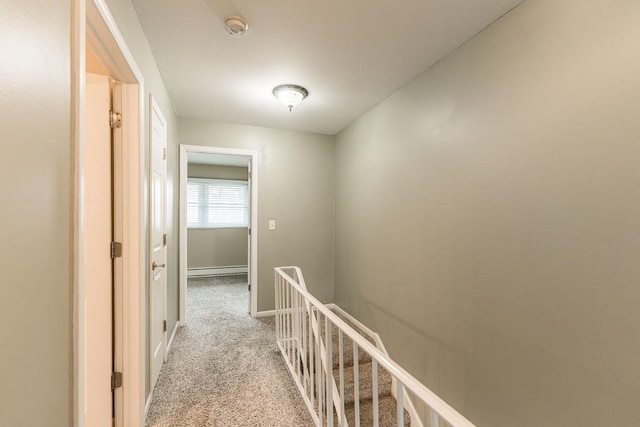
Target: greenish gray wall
(217, 172)
(37, 214)
(217, 247)
(487, 219)
(128, 23)
(296, 188)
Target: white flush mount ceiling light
(290, 95)
(236, 25)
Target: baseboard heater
(217, 271)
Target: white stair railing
(299, 338)
(304, 336)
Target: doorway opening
(218, 219)
(108, 222)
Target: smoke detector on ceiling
(236, 26)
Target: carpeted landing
(223, 367)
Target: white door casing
(253, 164)
(98, 264)
(158, 272)
(93, 27)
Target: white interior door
(158, 291)
(98, 360)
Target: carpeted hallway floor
(223, 367)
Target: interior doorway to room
(217, 221)
(108, 221)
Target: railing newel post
(329, 384)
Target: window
(216, 203)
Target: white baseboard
(173, 335)
(266, 313)
(148, 404)
(217, 271)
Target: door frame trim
(93, 23)
(253, 157)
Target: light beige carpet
(223, 368)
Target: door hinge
(116, 250)
(115, 120)
(116, 380)
(249, 231)
(164, 154)
(249, 287)
(164, 326)
(164, 239)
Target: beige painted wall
(36, 214)
(217, 247)
(217, 172)
(487, 219)
(296, 188)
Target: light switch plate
(272, 224)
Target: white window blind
(216, 203)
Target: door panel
(158, 291)
(98, 265)
(118, 267)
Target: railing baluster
(329, 371)
(435, 419)
(281, 307)
(311, 352)
(299, 360)
(319, 372)
(341, 363)
(286, 320)
(300, 335)
(296, 328)
(289, 323)
(301, 351)
(374, 373)
(293, 328)
(356, 384)
(281, 316)
(400, 398)
(305, 347)
(277, 304)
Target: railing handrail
(405, 378)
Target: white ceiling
(349, 54)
